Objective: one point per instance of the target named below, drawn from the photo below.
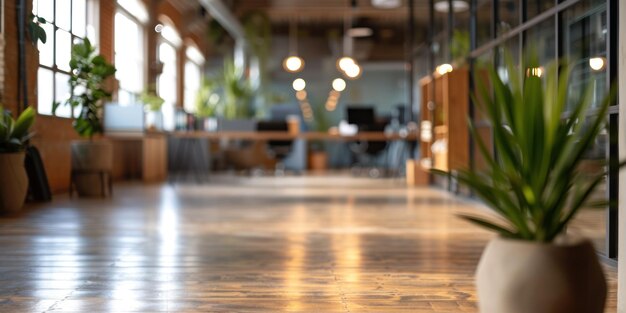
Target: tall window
(129, 49)
(193, 76)
(67, 23)
(167, 80)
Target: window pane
(63, 14)
(536, 7)
(460, 41)
(129, 54)
(440, 44)
(136, 8)
(192, 83)
(46, 51)
(483, 16)
(63, 49)
(45, 9)
(509, 15)
(584, 43)
(79, 18)
(44, 91)
(166, 84)
(542, 38)
(62, 93)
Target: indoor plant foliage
(152, 105)
(534, 186)
(14, 135)
(92, 158)
(89, 72)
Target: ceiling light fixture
(444, 68)
(597, 63)
(346, 64)
(298, 84)
(293, 63)
(353, 71)
(457, 6)
(359, 32)
(339, 84)
(386, 4)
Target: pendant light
(346, 64)
(293, 63)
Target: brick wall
(10, 92)
(53, 134)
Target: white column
(621, 301)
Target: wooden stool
(103, 174)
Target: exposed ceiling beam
(222, 14)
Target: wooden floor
(316, 244)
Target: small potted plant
(317, 154)
(535, 187)
(208, 103)
(152, 105)
(90, 158)
(14, 134)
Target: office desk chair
(367, 152)
(278, 149)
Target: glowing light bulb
(293, 64)
(596, 63)
(353, 71)
(534, 71)
(299, 84)
(444, 68)
(301, 95)
(339, 84)
(345, 63)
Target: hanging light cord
(293, 36)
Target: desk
(271, 135)
(142, 156)
(260, 136)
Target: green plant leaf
(532, 177)
(503, 231)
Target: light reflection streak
(347, 243)
(296, 253)
(168, 242)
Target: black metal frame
(54, 69)
(555, 12)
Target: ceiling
(321, 18)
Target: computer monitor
(362, 116)
(123, 118)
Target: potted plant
(14, 135)
(535, 187)
(91, 159)
(317, 154)
(152, 105)
(208, 103)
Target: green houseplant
(87, 92)
(237, 92)
(317, 154)
(152, 105)
(90, 158)
(14, 135)
(533, 185)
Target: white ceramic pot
(89, 159)
(13, 182)
(517, 276)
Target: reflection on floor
(316, 244)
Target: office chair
(367, 152)
(278, 149)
